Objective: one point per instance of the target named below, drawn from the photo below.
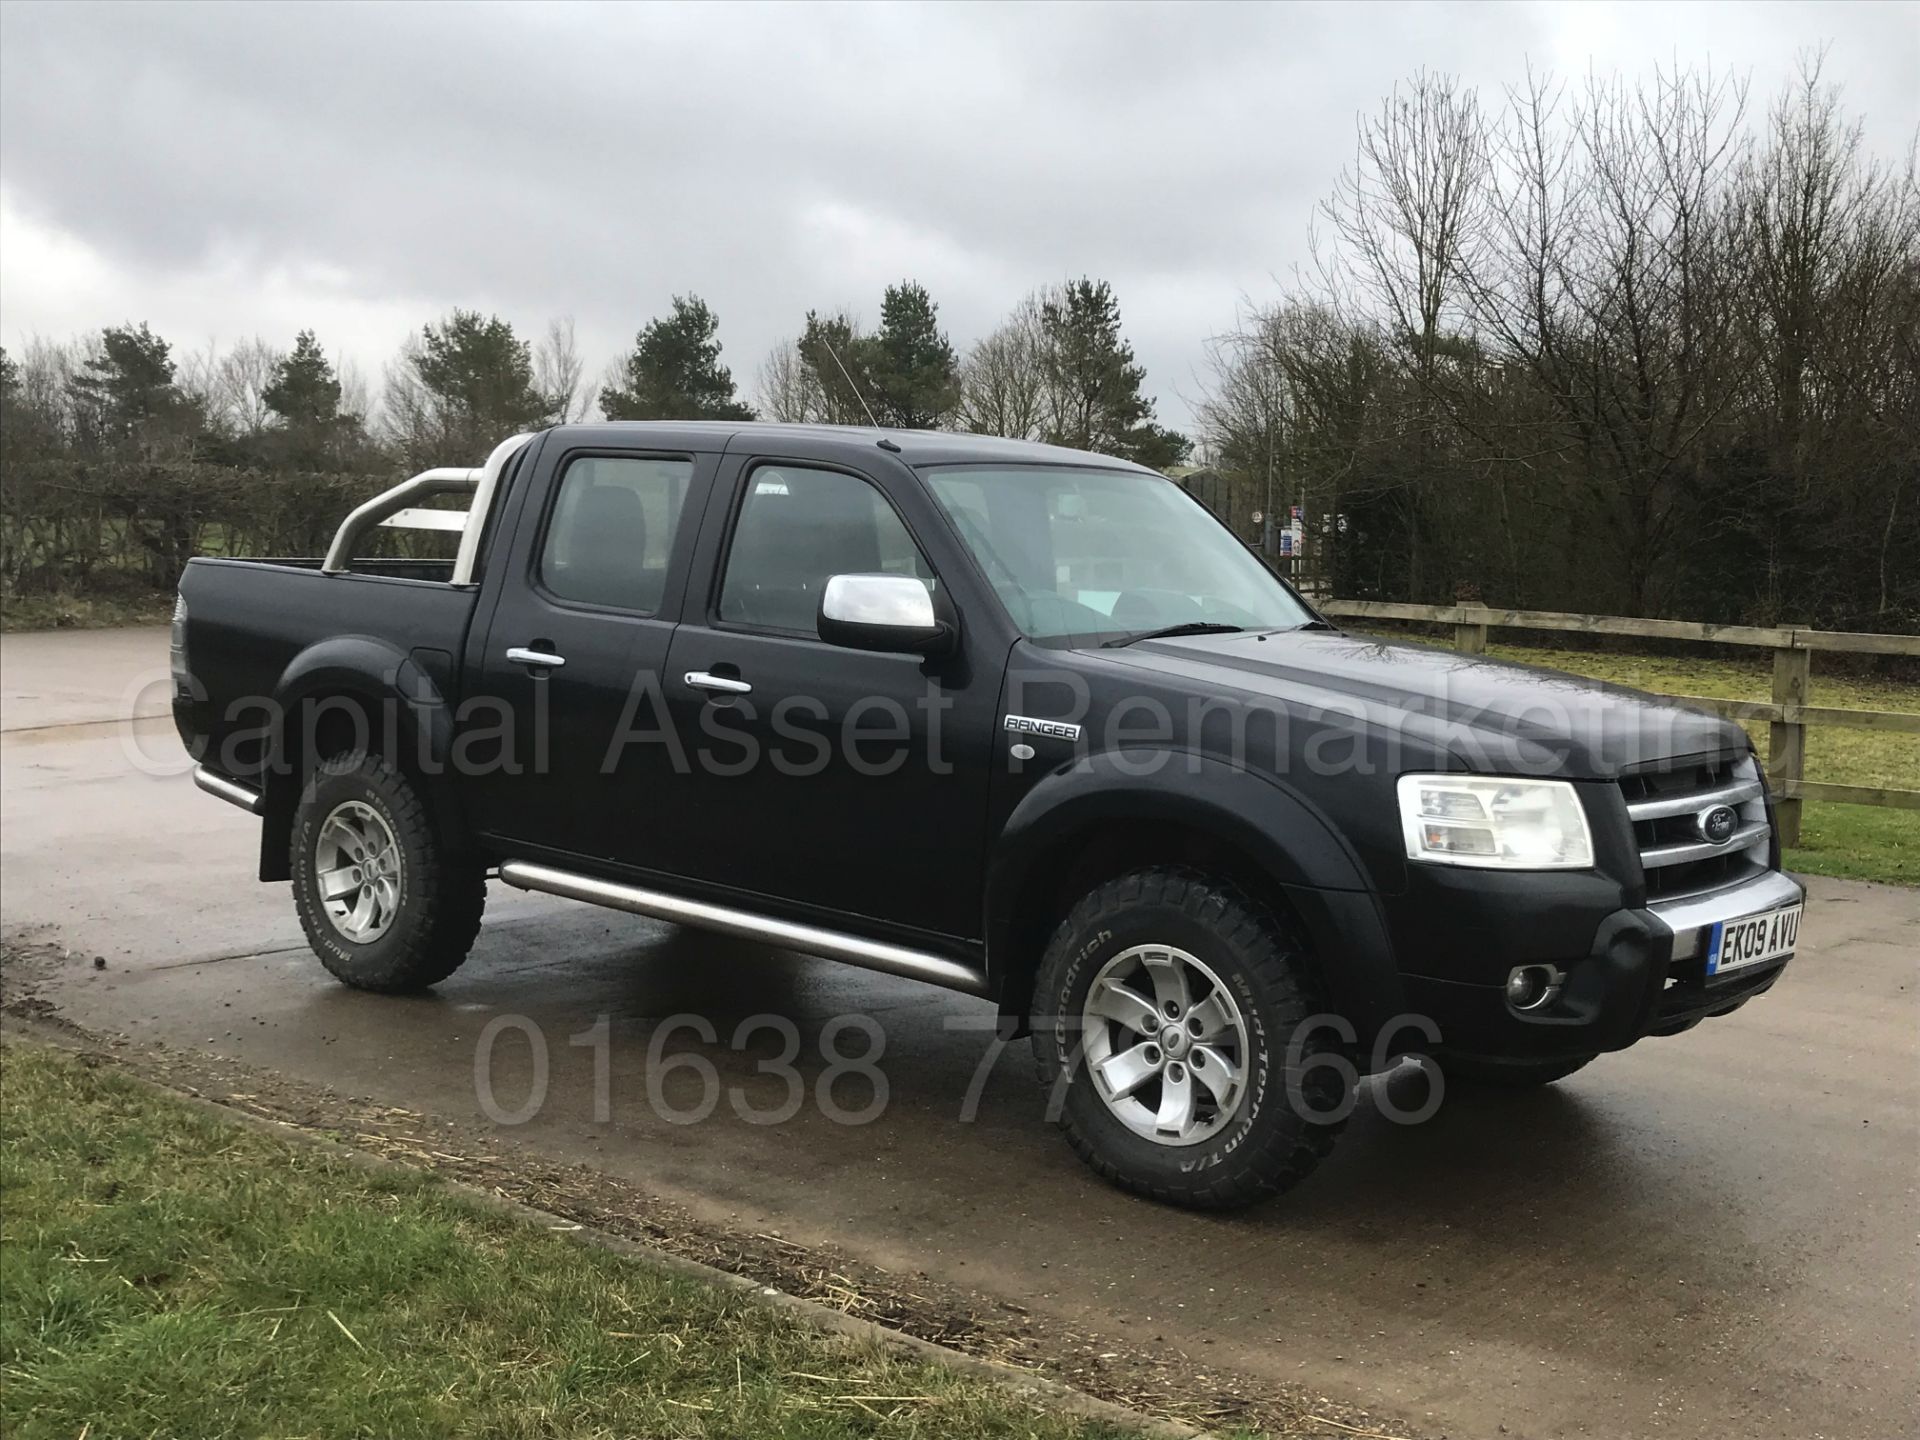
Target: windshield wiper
(1190, 627)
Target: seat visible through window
(612, 532)
(797, 529)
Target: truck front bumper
(1645, 973)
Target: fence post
(1787, 740)
(1470, 639)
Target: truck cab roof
(915, 447)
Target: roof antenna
(850, 385)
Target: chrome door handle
(520, 655)
(701, 680)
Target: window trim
(737, 505)
(495, 529)
(536, 554)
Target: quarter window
(798, 528)
(612, 531)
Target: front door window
(799, 527)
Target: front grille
(1664, 804)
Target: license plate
(1752, 940)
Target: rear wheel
(1510, 1075)
(1167, 1009)
(384, 905)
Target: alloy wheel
(358, 868)
(1166, 1044)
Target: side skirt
(701, 915)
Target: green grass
(169, 1272)
(1856, 842)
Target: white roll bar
(477, 512)
(387, 506)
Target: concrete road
(1712, 1235)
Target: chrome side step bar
(231, 791)
(701, 915)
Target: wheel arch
(353, 692)
(1103, 817)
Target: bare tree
(244, 375)
(197, 376)
(1602, 345)
(1832, 240)
(40, 419)
(1408, 222)
(410, 419)
(1410, 213)
(1645, 366)
(1292, 407)
(785, 388)
(1003, 382)
(1243, 419)
(557, 370)
(356, 397)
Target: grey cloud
(550, 159)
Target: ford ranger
(1024, 722)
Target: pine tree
(481, 374)
(914, 371)
(463, 386)
(125, 398)
(1096, 384)
(674, 371)
(835, 356)
(312, 431)
(1091, 368)
(1157, 446)
(305, 392)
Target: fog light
(1529, 987)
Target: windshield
(1090, 555)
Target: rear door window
(612, 530)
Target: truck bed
(393, 568)
(252, 623)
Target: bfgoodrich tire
(384, 905)
(1166, 1009)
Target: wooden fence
(1788, 714)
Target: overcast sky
(232, 169)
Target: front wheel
(384, 905)
(1184, 1035)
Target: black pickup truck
(1020, 721)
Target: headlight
(1494, 823)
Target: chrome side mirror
(895, 613)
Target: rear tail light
(177, 648)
